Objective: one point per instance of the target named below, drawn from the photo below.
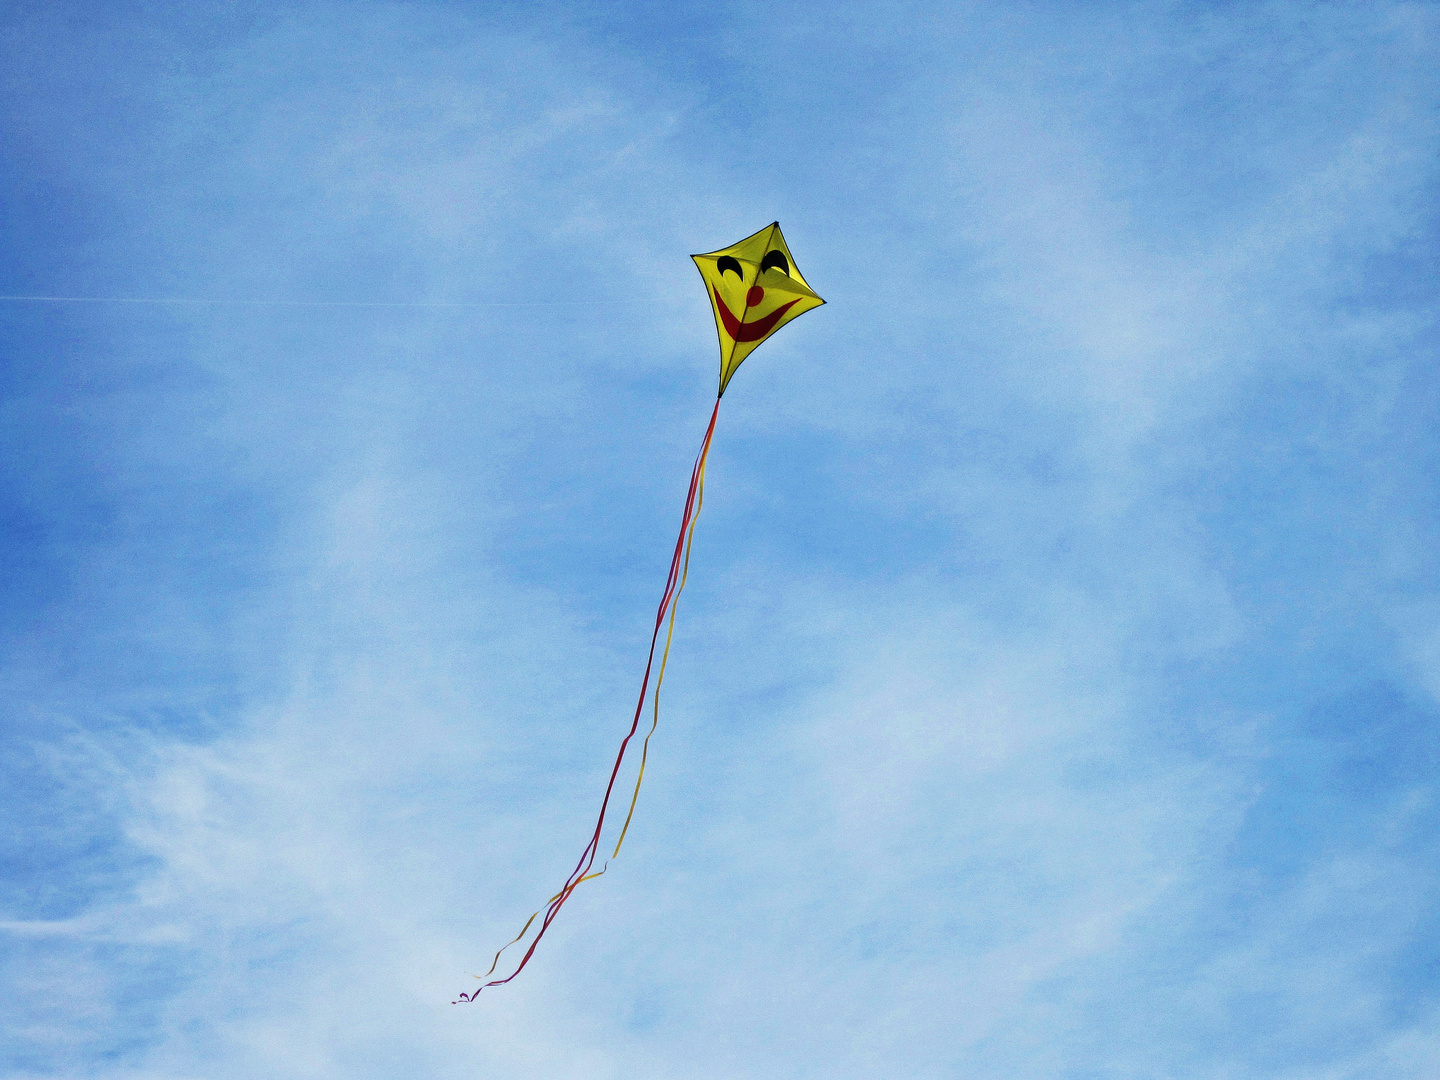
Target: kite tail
(665, 653)
(675, 578)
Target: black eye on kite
(775, 258)
(729, 262)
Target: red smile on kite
(751, 331)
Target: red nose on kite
(754, 296)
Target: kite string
(665, 654)
(587, 857)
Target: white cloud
(962, 803)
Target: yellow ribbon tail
(526, 928)
(665, 656)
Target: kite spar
(755, 288)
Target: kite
(755, 288)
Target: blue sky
(1057, 689)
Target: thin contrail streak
(327, 303)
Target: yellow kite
(755, 288)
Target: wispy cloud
(1054, 693)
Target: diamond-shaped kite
(755, 288)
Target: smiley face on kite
(755, 289)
